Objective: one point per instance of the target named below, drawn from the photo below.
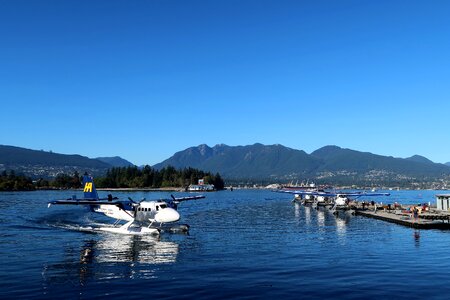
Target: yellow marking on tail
(88, 187)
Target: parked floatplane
(339, 201)
(144, 217)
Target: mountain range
(39, 163)
(327, 164)
(115, 161)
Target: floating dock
(424, 221)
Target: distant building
(443, 202)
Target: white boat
(201, 187)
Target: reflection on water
(341, 227)
(308, 214)
(417, 237)
(325, 220)
(112, 256)
(132, 248)
(320, 218)
(297, 210)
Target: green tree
(148, 177)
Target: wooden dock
(424, 221)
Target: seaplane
(143, 217)
(316, 197)
(337, 201)
(341, 201)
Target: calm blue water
(242, 244)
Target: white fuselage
(341, 201)
(144, 212)
(114, 212)
(320, 199)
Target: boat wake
(72, 227)
(82, 222)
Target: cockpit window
(163, 206)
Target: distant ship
(298, 187)
(305, 187)
(201, 187)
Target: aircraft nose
(167, 215)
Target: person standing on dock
(375, 208)
(415, 213)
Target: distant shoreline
(164, 189)
(179, 189)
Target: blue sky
(145, 79)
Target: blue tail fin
(89, 188)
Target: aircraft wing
(353, 195)
(365, 194)
(181, 199)
(302, 192)
(329, 194)
(84, 202)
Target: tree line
(147, 177)
(9, 181)
(120, 177)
